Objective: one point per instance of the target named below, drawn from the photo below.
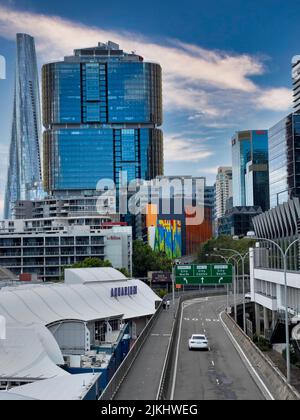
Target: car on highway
(198, 342)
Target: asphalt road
(219, 374)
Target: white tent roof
(66, 388)
(90, 275)
(30, 353)
(49, 303)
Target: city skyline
(201, 75)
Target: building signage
(161, 277)
(123, 291)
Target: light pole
(227, 262)
(242, 258)
(287, 332)
(235, 278)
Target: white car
(248, 297)
(198, 342)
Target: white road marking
(208, 320)
(213, 363)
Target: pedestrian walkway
(143, 379)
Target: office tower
(284, 160)
(296, 82)
(24, 179)
(223, 190)
(250, 171)
(101, 110)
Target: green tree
(145, 259)
(124, 271)
(92, 262)
(223, 242)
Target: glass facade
(284, 156)
(250, 170)
(102, 108)
(24, 173)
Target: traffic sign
(204, 274)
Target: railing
(116, 381)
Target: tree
(145, 259)
(124, 271)
(92, 262)
(223, 242)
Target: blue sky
(226, 64)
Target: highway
(219, 374)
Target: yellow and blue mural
(168, 238)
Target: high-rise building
(223, 190)
(296, 81)
(24, 180)
(284, 160)
(101, 110)
(250, 171)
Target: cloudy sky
(226, 64)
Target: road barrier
(264, 372)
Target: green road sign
(203, 274)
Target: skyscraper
(250, 170)
(223, 190)
(102, 109)
(24, 173)
(296, 81)
(284, 156)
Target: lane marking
(213, 363)
(241, 352)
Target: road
(219, 374)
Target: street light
(242, 258)
(287, 333)
(227, 259)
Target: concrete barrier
(267, 376)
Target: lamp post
(227, 262)
(242, 258)
(287, 333)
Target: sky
(226, 64)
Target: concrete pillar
(274, 320)
(266, 319)
(257, 319)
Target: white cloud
(190, 72)
(277, 99)
(183, 149)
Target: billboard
(168, 238)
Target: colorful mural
(168, 238)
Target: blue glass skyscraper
(250, 169)
(24, 180)
(101, 110)
(284, 155)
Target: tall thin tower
(24, 180)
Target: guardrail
(164, 386)
(114, 385)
